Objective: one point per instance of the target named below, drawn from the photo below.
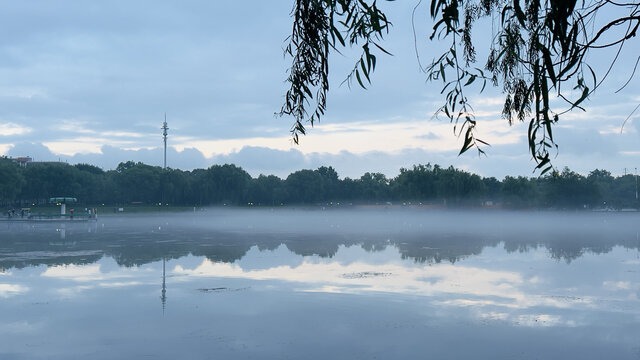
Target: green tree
(175, 187)
(568, 189)
(89, 168)
(418, 183)
(330, 183)
(90, 181)
(623, 192)
(373, 187)
(537, 55)
(305, 186)
(604, 182)
(267, 190)
(48, 180)
(11, 181)
(138, 182)
(229, 184)
(225, 184)
(493, 187)
(457, 186)
(519, 192)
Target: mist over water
(332, 283)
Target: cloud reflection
(91, 277)
(447, 284)
(9, 290)
(486, 293)
(75, 272)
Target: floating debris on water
(365, 274)
(221, 289)
(212, 289)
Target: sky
(91, 82)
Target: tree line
(228, 184)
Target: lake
(332, 284)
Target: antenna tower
(165, 128)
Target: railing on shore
(53, 217)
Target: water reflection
(8, 290)
(138, 240)
(372, 285)
(163, 297)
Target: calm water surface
(323, 285)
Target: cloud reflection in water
(490, 294)
(8, 290)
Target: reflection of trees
(134, 245)
(27, 244)
(570, 245)
(443, 247)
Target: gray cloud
(36, 151)
(111, 156)
(260, 160)
(585, 142)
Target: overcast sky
(91, 81)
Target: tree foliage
(538, 55)
(137, 183)
(320, 26)
(12, 180)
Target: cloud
(9, 290)
(9, 129)
(501, 160)
(75, 146)
(585, 142)
(261, 160)
(75, 272)
(37, 151)
(365, 137)
(4, 148)
(428, 136)
(187, 159)
(109, 157)
(257, 160)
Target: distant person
(71, 213)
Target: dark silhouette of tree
(568, 189)
(457, 186)
(330, 183)
(417, 183)
(89, 168)
(225, 184)
(623, 192)
(11, 182)
(138, 183)
(267, 190)
(373, 187)
(48, 180)
(519, 192)
(305, 186)
(492, 187)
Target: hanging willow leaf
(534, 43)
